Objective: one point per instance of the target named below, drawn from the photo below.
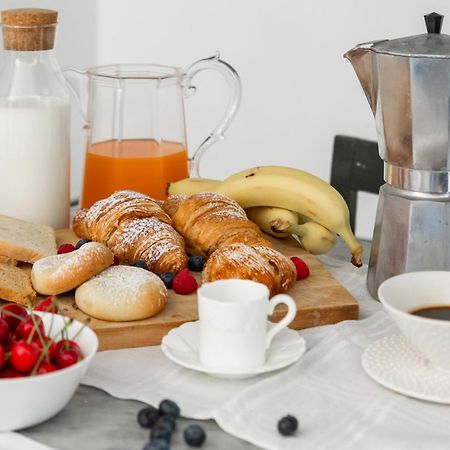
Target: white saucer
(180, 345)
(393, 363)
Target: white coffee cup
(408, 292)
(234, 332)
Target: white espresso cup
(234, 331)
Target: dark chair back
(356, 167)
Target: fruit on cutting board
(280, 222)
(292, 190)
(296, 190)
(191, 186)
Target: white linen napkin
(338, 406)
(16, 441)
(145, 374)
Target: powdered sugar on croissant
(133, 226)
(258, 263)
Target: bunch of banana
(280, 222)
(289, 190)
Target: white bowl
(27, 401)
(402, 294)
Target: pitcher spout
(361, 59)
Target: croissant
(208, 221)
(134, 227)
(257, 263)
(216, 226)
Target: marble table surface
(93, 420)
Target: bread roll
(60, 273)
(122, 293)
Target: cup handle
(286, 320)
(234, 85)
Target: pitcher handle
(234, 85)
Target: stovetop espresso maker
(407, 84)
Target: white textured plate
(393, 363)
(180, 345)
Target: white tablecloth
(337, 405)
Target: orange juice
(141, 165)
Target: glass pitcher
(136, 135)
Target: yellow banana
(280, 222)
(313, 237)
(295, 190)
(190, 186)
(264, 216)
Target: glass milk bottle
(34, 121)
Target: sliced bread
(15, 285)
(7, 260)
(25, 241)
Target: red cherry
(116, 261)
(9, 372)
(2, 357)
(27, 328)
(50, 345)
(4, 331)
(45, 367)
(9, 313)
(67, 358)
(67, 344)
(47, 305)
(24, 356)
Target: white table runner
(337, 404)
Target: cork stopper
(29, 29)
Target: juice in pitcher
(142, 165)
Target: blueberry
(287, 425)
(167, 421)
(194, 435)
(169, 408)
(139, 263)
(147, 417)
(81, 242)
(161, 432)
(196, 263)
(167, 278)
(158, 444)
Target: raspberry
(65, 248)
(116, 261)
(302, 268)
(184, 283)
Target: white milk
(35, 160)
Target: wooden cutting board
(320, 300)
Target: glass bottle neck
(31, 73)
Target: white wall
(298, 91)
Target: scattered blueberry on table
(162, 422)
(161, 432)
(287, 425)
(167, 421)
(194, 435)
(196, 263)
(147, 417)
(156, 445)
(169, 408)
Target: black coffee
(434, 312)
